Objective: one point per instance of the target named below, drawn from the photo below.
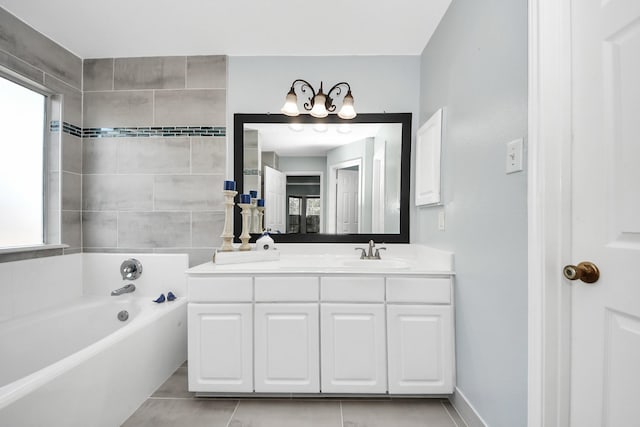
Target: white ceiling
(307, 141)
(127, 28)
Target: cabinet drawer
(435, 290)
(286, 289)
(352, 289)
(220, 289)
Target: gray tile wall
(160, 194)
(40, 60)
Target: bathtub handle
(131, 269)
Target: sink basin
(375, 264)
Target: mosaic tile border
(138, 132)
(151, 131)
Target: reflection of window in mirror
(294, 215)
(313, 214)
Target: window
(22, 121)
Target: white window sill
(17, 249)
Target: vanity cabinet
(420, 349)
(220, 347)
(420, 335)
(287, 348)
(340, 334)
(353, 348)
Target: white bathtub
(77, 365)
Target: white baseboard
(466, 410)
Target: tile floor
(173, 405)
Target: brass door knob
(585, 271)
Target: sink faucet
(124, 290)
(370, 254)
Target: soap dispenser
(265, 242)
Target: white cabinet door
(420, 343)
(220, 347)
(353, 357)
(286, 348)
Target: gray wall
(38, 59)
(475, 66)
(161, 193)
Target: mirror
(326, 180)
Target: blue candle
(261, 202)
(230, 185)
(254, 194)
(245, 198)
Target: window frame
(51, 100)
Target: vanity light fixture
(319, 104)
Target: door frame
(549, 213)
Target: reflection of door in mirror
(347, 209)
(344, 209)
(303, 215)
(304, 202)
(274, 200)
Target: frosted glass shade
(290, 107)
(319, 110)
(347, 111)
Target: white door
(220, 347)
(353, 348)
(275, 189)
(605, 373)
(420, 346)
(287, 353)
(347, 209)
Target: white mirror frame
(428, 148)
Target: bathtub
(76, 364)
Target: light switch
(514, 156)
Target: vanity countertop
(340, 259)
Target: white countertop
(340, 259)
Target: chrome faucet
(124, 290)
(370, 254)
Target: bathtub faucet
(124, 290)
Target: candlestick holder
(227, 232)
(245, 236)
(260, 218)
